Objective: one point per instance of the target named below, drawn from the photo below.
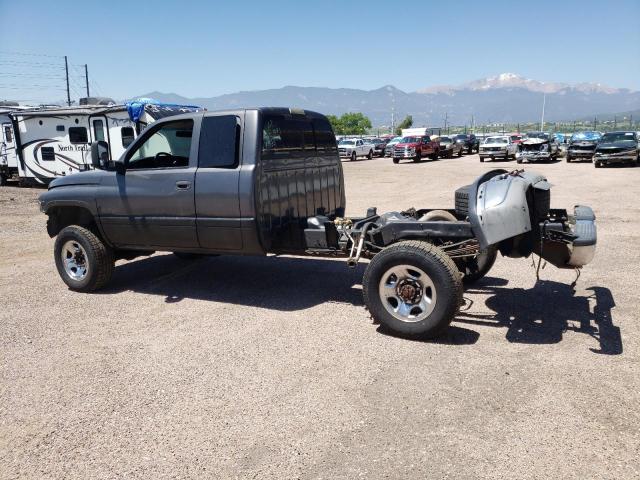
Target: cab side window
(167, 146)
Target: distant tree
(406, 123)
(336, 124)
(354, 124)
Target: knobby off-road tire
(83, 261)
(417, 265)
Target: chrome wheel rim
(74, 260)
(407, 293)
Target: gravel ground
(271, 368)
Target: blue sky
(210, 48)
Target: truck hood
(504, 145)
(410, 145)
(603, 147)
(92, 177)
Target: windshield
(396, 140)
(618, 137)
(542, 135)
(496, 140)
(410, 140)
(445, 140)
(515, 138)
(347, 142)
(589, 136)
(460, 137)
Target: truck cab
(239, 181)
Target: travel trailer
(8, 157)
(55, 142)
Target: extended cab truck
(353, 148)
(269, 180)
(416, 148)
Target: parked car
(498, 147)
(554, 146)
(617, 147)
(197, 185)
(470, 141)
(517, 138)
(449, 148)
(354, 148)
(379, 145)
(416, 148)
(537, 149)
(582, 145)
(388, 149)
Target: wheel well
(61, 217)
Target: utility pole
(86, 78)
(595, 123)
(66, 71)
(615, 122)
(631, 122)
(544, 101)
(446, 117)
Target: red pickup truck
(415, 147)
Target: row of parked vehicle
(601, 149)
(413, 144)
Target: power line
(9, 52)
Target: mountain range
(502, 98)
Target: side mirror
(100, 154)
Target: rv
(55, 142)
(8, 157)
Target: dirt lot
(270, 367)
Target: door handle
(183, 185)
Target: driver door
(152, 205)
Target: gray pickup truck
(269, 180)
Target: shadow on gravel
(543, 313)
(282, 283)
(453, 336)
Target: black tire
(440, 269)
(568, 159)
(475, 268)
(3, 180)
(418, 157)
(518, 160)
(482, 159)
(597, 164)
(434, 156)
(462, 201)
(353, 156)
(460, 153)
(99, 259)
(370, 154)
(396, 160)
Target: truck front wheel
(83, 261)
(353, 156)
(370, 154)
(413, 289)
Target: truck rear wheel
(83, 261)
(413, 289)
(475, 268)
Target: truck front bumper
(615, 158)
(535, 157)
